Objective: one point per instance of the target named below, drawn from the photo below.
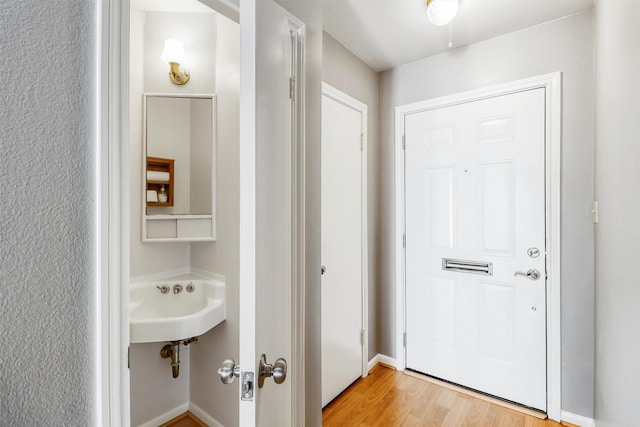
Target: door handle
(228, 371)
(531, 274)
(278, 370)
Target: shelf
(157, 164)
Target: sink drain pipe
(173, 351)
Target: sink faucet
(177, 289)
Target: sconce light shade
(441, 12)
(173, 53)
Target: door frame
(362, 108)
(112, 211)
(552, 83)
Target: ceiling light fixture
(441, 12)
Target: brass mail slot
(465, 266)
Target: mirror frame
(189, 223)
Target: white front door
(475, 194)
(267, 215)
(342, 242)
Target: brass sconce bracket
(178, 75)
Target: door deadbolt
(533, 252)
(278, 370)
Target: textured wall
(346, 72)
(563, 45)
(618, 233)
(47, 241)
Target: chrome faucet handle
(164, 289)
(177, 289)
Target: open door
(270, 197)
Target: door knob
(278, 370)
(228, 371)
(531, 274)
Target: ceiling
(386, 33)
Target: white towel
(152, 196)
(158, 176)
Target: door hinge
(404, 340)
(362, 336)
(404, 240)
(129, 357)
(292, 88)
(404, 142)
(596, 214)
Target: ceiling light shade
(441, 12)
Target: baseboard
(167, 416)
(204, 417)
(576, 419)
(383, 360)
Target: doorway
(343, 242)
(441, 288)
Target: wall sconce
(441, 12)
(173, 53)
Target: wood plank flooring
(185, 420)
(390, 398)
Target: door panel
(341, 244)
(273, 207)
(475, 191)
(266, 209)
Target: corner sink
(158, 317)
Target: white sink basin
(154, 316)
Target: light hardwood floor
(390, 398)
(185, 420)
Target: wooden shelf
(157, 164)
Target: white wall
(618, 233)
(346, 72)
(48, 146)
(563, 45)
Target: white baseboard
(576, 419)
(204, 417)
(179, 410)
(381, 358)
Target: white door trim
(247, 189)
(341, 97)
(112, 215)
(553, 116)
(298, 173)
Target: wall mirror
(178, 168)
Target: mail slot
(464, 266)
